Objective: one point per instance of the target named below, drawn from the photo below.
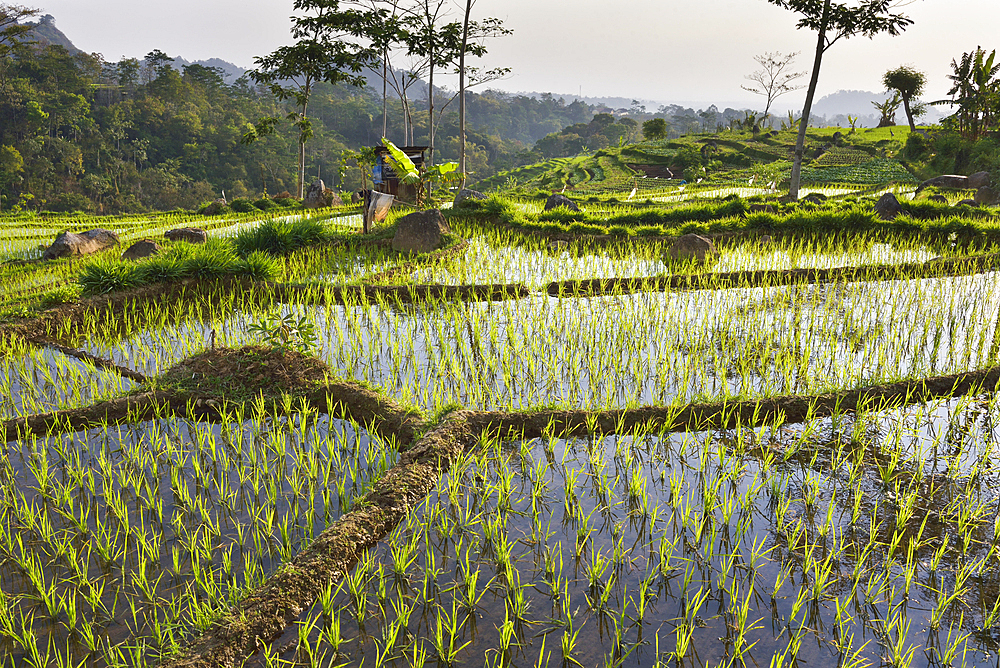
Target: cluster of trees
(335, 40)
(975, 92)
(80, 133)
(602, 131)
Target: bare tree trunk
(909, 114)
(385, 94)
(430, 111)
(461, 92)
(302, 157)
(800, 144)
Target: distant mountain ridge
(45, 32)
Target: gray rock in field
(420, 232)
(967, 202)
(332, 198)
(692, 246)
(560, 200)
(356, 198)
(979, 180)
(946, 181)
(69, 244)
(887, 207)
(314, 198)
(192, 235)
(940, 199)
(987, 196)
(765, 240)
(466, 194)
(141, 249)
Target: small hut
(385, 178)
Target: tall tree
(323, 51)
(774, 80)
(909, 83)
(833, 21)
(428, 38)
(12, 26)
(472, 35)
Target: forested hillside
(80, 133)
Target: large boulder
(560, 200)
(987, 196)
(141, 249)
(420, 232)
(332, 198)
(887, 207)
(692, 247)
(70, 244)
(314, 198)
(192, 235)
(979, 180)
(946, 181)
(465, 194)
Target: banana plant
(409, 174)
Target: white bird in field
(751, 179)
(698, 181)
(632, 194)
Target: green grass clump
(215, 259)
(277, 237)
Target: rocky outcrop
(887, 207)
(465, 194)
(70, 244)
(560, 200)
(192, 235)
(979, 180)
(420, 232)
(141, 249)
(318, 195)
(947, 181)
(987, 196)
(314, 196)
(692, 247)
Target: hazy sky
(665, 50)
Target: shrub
(242, 206)
(280, 237)
(215, 259)
(68, 202)
(265, 204)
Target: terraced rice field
(365, 461)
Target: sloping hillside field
(551, 441)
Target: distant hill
(45, 32)
(232, 72)
(859, 103)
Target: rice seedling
(120, 541)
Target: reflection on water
(628, 350)
(819, 544)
